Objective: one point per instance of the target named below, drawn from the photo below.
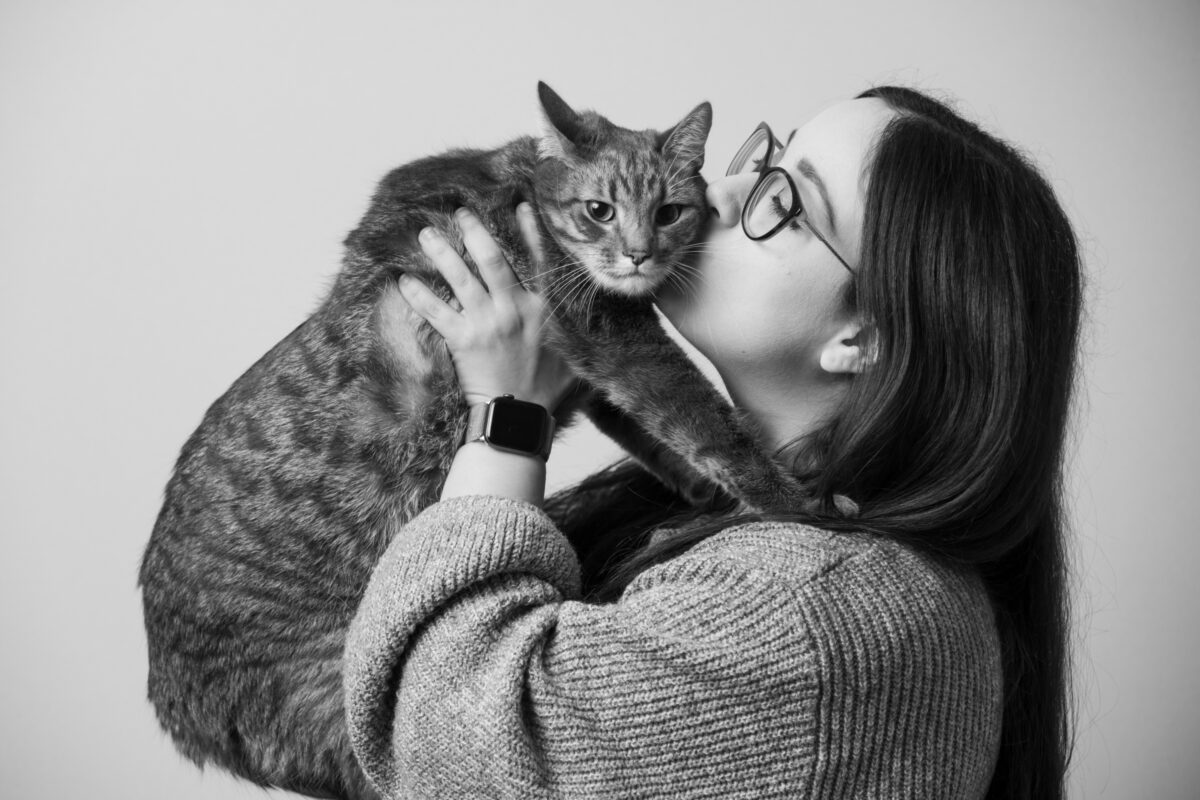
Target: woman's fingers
(496, 340)
(527, 222)
(433, 309)
(450, 264)
(503, 308)
(493, 266)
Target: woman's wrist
(478, 468)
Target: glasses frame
(765, 170)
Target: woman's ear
(848, 352)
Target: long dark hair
(971, 286)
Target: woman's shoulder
(898, 649)
(799, 554)
(853, 581)
(893, 634)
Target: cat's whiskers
(672, 183)
(569, 265)
(686, 277)
(585, 302)
(673, 180)
(561, 268)
(694, 249)
(573, 283)
(579, 292)
(708, 249)
(683, 286)
(563, 285)
(683, 266)
(566, 262)
(671, 173)
(702, 244)
(595, 293)
(681, 256)
(565, 267)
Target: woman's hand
(496, 340)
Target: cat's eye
(668, 213)
(601, 212)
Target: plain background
(176, 179)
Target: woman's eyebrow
(809, 171)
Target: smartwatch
(511, 425)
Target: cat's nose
(637, 256)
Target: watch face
(517, 425)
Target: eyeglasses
(774, 201)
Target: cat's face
(626, 205)
(625, 216)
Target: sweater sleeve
(473, 671)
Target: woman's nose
(727, 195)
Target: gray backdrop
(176, 178)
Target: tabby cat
(286, 495)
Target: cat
(284, 498)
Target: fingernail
(463, 213)
(427, 235)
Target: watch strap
(476, 422)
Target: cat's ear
(560, 125)
(684, 144)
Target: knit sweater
(770, 660)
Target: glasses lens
(752, 157)
(771, 203)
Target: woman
(894, 298)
